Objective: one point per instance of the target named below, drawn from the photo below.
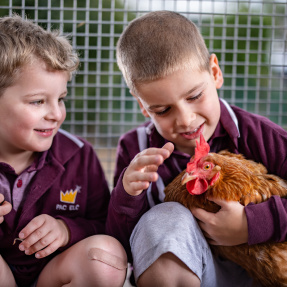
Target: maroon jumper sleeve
(267, 221)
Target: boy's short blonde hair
(157, 44)
(22, 41)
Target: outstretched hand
(143, 168)
(227, 227)
(43, 235)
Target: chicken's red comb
(202, 149)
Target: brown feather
(244, 181)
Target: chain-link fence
(249, 38)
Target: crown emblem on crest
(68, 196)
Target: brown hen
(228, 176)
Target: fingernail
(21, 235)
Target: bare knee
(106, 249)
(168, 270)
(108, 258)
(101, 260)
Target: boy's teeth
(194, 131)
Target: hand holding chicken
(226, 227)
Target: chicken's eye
(207, 167)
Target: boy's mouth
(43, 131)
(193, 134)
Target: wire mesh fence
(248, 37)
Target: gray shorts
(170, 227)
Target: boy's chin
(42, 148)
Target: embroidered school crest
(70, 195)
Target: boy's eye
(195, 97)
(160, 113)
(63, 99)
(37, 103)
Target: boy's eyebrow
(195, 88)
(43, 93)
(154, 107)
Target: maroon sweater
(71, 164)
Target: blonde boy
(52, 186)
(169, 71)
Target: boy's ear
(216, 71)
(143, 110)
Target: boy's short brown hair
(157, 44)
(22, 42)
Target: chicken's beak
(217, 168)
(187, 177)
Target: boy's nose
(185, 117)
(54, 113)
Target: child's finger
(33, 225)
(164, 151)
(151, 168)
(42, 243)
(139, 186)
(2, 199)
(220, 202)
(224, 203)
(33, 238)
(152, 156)
(5, 208)
(169, 146)
(143, 161)
(144, 176)
(134, 183)
(136, 177)
(201, 214)
(48, 250)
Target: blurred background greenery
(249, 38)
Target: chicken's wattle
(197, 186)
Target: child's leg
(98, 260)
(169, 249)
(7, 278)
(166, 271)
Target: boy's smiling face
(32, 110)
(183, 105)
